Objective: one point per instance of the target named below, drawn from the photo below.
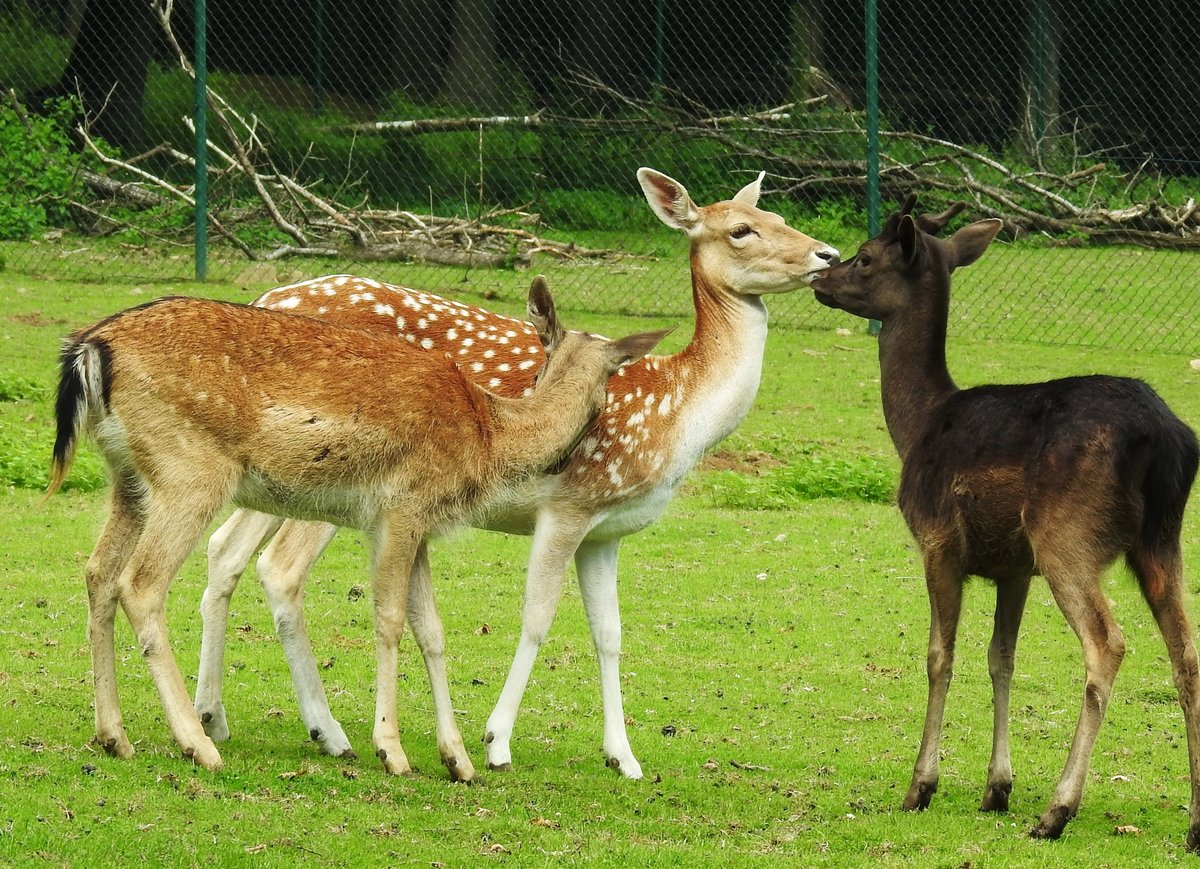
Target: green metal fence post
(1039, 78)
(201, 144)
(872, 88)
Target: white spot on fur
(384, 310)
(528, 363)
(665, 406)
(427, 343)
(287, 304)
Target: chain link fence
(443, 144)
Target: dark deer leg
(1010, 607)
(1161, 580)
(944, 581)
(1076, 589)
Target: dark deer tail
(82, 390)
(1165, 488)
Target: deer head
(735, 244)
(890, 272)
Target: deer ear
(893, 222)
(634, 347)
(749, 194)
(668, 199)
(969, 243)
(909, 237)
(542, 314)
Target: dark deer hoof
(348, 754)
(500, 767)
(919, 796)
(1052, 823)
(612, 763)
(1193, 839)
(995, 798)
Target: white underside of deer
(662, 414)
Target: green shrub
(595, 210)
(16, 387)
(30, 55)
(37, 170)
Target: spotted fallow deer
(661, 415)
(195, 403)
(1004, 482)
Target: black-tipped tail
(69, 410)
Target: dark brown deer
(195, 403)
(1005, 482)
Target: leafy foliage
(37, 170)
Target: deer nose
(830, 256)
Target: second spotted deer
(660, 416)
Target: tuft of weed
(25, 462)
(809, 476)
(15, 387)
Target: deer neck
(914, 378)
(718, 373)
(530, 435)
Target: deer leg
(282, 568)
(1010, 606)
(121, 532)
(173, 523)
(427, 630)
(944, 581)
(596, 564)
(229, 551)
(395, 547)
(1161, 580)
(1077, 592)
(554, 541)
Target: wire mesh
(373, 137)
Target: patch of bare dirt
(750, 464)
(35, 318)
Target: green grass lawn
(773, 664)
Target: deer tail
(82, 392)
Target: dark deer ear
(910, 238)
(542, 314)
(893, 222)
(935, 223)
(969, 243)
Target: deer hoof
(995, 798)
(919, 796)
(1052, 823)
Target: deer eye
(863, 259)
(740, 231)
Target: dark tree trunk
(470, 78)
(107, 69)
